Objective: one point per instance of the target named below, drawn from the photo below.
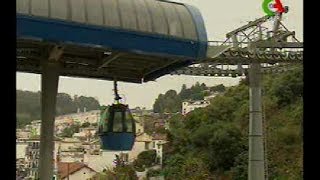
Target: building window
(158, 146)
(146, 145)
(125, 157)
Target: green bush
(138, 165)
(153, 173)
(147, 158)
(86, 124)
(125, 172)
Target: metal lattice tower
(252, 50)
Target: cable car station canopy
(127, 39)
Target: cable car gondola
(117, 126)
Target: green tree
(153, 173)
(184, 93)
(125, 172)
(28, 105)
(218, 88)
(86, 124)
(217, 136)
(147, 158)
(69, 131)
(288, 88)
(240, 169)
(65, 104)
(185, 167)
(169, 102)
(89, 103)
(173, 165)
(194, 168)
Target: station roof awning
(96, 62)
(128, 40)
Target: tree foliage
(69, 131)
(85, 125)
(154, 172)
(125, 172)
(167, 102)
(170, 102)
(146, 158)
(90, 103)
(215, 138)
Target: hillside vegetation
(212, 142)
(29, 108)
(171, 101)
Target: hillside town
(77, 145)
(81, 152)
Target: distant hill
(29, 108)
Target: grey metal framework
(90, 62)
(251, 43)
(259, 51)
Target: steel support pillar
(235, 42)
(256, 169)
(49, 90)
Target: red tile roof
(73, 167)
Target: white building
(63, 120)
(188, 106)
(80, 117)
(21, 133)
(71, 150)
(157, 144)
(69, 143)
(21, 149)
(29, 151)
(208, 98)
(92, 147)
(139, 128)
(142, 143)
(85, 134)
(104, 160)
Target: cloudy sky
(220, 18)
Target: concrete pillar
(256, 169)
(49, 89)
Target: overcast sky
(220, 18)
